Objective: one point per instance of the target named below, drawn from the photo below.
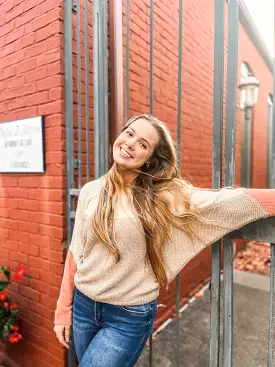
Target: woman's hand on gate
(63, 334)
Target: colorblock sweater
(92, 270)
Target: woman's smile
(125, 154)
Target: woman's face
(135, 145)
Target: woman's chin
(125, 166)
(122, 164)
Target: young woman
(135, 229)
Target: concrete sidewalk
(251, 315)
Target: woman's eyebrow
(141, 138)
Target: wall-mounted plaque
(22, 146)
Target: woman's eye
(129, 133)
(143, 145)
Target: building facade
(33, 206)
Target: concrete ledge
(251, 280)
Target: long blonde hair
(154, 191)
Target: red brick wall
(197, 99)
(32, 206)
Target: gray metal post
(217, 175)
(68, 75)
(248, 145)
(127, 59)
(100, 71)
(272, 249)
(270, 143)
(273, 124)
(79, 112)
(271, 307)
(179, 168)
(151, 111)
(246, 142)
(273, 117)
(87, 115)
(231, 94)
(151, 53)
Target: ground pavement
(251, 315)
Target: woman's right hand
(63, 334)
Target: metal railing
(81, 167)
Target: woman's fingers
(60, 333)
(67, 333)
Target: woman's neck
(128, 177)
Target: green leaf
(3, 286)
(6, 271)
(14, 312)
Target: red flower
(15, 337)
(20, 272)
(3, 295)
(13, 306)
(6, 304)
(15, 327)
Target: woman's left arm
(228, 209)
(221, 211)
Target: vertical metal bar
(271, 307)
(151, 112)
(272, 246)
(96, 66)
(248, 145)
(116, 106)
(179, 169)
(100, 71)
(105, 89)
(87, 117)
(270, 143)
(68, 76)
(232, 74)
(79, 112)
(179, 84)
(217, 175)
(243, 151)
(228, 303)
(127, 59)
(151, 53)
(273, 121)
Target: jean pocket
(138, 309)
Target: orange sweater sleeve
(63, 312)
(266, 198)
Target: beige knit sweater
(131, 281)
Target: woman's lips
(124, 153)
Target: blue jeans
(110, 336)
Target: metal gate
(87, 100)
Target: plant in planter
(9, 315)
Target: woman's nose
(130, 144)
